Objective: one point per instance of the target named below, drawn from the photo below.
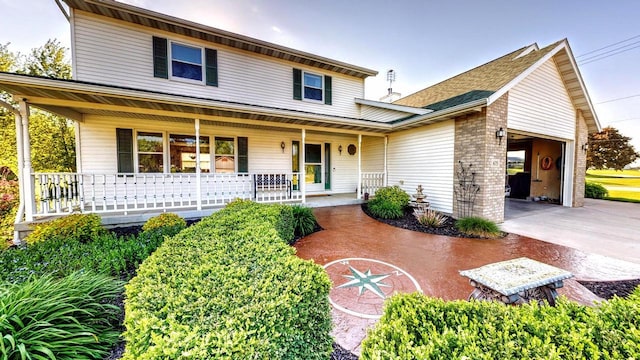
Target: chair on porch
(271, 182)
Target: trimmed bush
(414, 326)
(229, 287)
(389, 203)
(75, 227)
(595, 191)
(168, 223)
(478, 226)
(68, 318)
(304, 222)
(106, 254)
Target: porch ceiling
(73, 99)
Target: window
(225, 155)
(186, 62)
(182, 154)
(312, 86)
(150, 152)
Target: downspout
(20, 158)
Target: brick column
(476, 144)
(579, 171)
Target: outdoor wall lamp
(340, 149)
(585, 147)
(500, 134)
(282, 145)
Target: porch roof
(73, 99)
(148, 18)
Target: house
(171, 115)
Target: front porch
(127, 199)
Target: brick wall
(476, 144)
(582, 136)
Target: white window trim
(165, 143)
(202, 65)
(321, 101)
(214, 154)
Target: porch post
(359, 189)
(386, 175)
(198, 180)
(303, 170)
(27, 176)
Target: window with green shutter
(177, 61)
(312, 87)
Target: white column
(386, 174)
(359, 191)
(198, 172)
(27, 176)
(303, 170)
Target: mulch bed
(409, 222)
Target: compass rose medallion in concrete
(361, 285)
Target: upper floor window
(312, 86)
(186, 62)
(182, 61)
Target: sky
(423, 41)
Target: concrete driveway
(607, 228)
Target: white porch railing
(60, 193)
(372, 181)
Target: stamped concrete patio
(393, 259)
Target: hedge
(418, 327)
(229, 287)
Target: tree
(52, 136)
(608, 149)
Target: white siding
(265, 154)
(378, 114)
(424, 156)
(539, 104)
(118, 53)
(372, 154)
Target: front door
(314, 167)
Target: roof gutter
(141, 95)
(436, 115)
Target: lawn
(613, 180)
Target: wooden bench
(271, 182)
(516, 281)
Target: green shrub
(75, 227)
(389, 203)
(414, 326)
(304, 222)
(229, 287)
(106, 254)
(68, 318)
(429, 217)
(393, 194)
(169, 223)
(595, 191)
(478, 226)
(9, 200)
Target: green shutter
(124, 142)
(243, 155)
(297, 84)
(327, 90)
(327, 166)
(160, 60)
(211, 61)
